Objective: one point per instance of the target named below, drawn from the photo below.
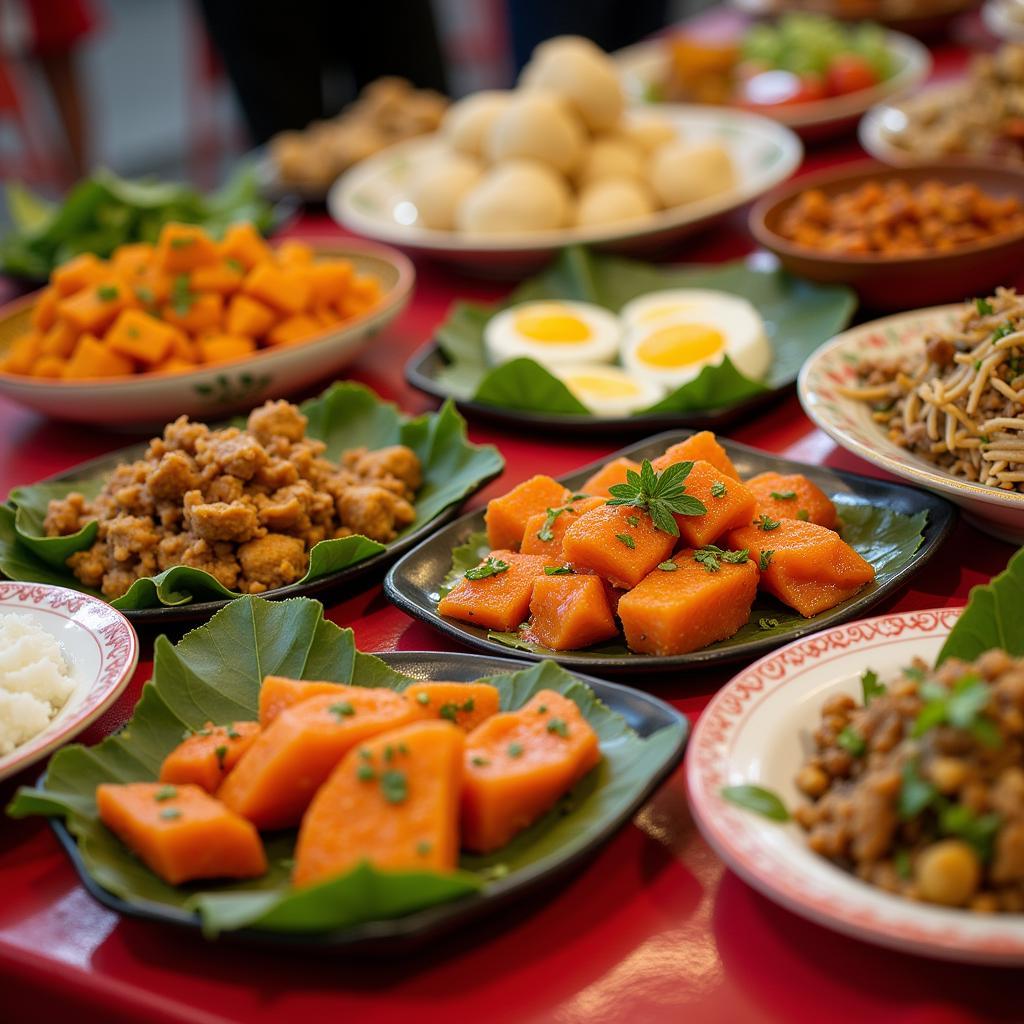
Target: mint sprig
(663, 494)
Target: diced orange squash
(792, 497)
(59, 340)
(325, 316)
(686, 609)
(464, 704)
(92, 358)
(79, 272)
(618, 542)
(703, 446)
(242, 242)
(810, 568)
(282, 288)
(152, 287)
(278, 693)
(500, 601)
(392, 801)
(141, 337)
(44, 312)
(95, 308)
(570, 612)
(543, 534)
(183, 247)
(175, 364)
(216, 277)
(23, 353)
(205, 757)
(330, 280)
(611, 473)
(293, 253)
(729, 505)
(247, 316)
(219, 348)
(274, 782)
(518, 764)
(132, 259)
(49, 366)
(506, 516)
(181, 833)
(199, 313)
(182, 346)
(294, 328)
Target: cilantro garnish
(766, 523)
(624, 538)
(718, 489)
(711, 557)
(489, 567)
(558, 570)
(764, 560)
(783, 495)
(870, 686)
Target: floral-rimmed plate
(752, 732)
(101, 651)
(848, 421)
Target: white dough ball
(467, 121)
(682, 173)
(610, 157)
(437, 188)
(583, 75)
(536, 126)
(514, 197)
(649, 131)
(612, 200)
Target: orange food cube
(806, 566)
(23, 353)
(152, 287)
(702, 446)
(285, 289)
(92, 358)
(217, 277)
(686, 609)
(608, 475)
(464, 704)
(618, 542)
(518, 764)
(205, 757)
(59, 340)
(95, 308)
(499, 601)
(175, 364)
(44, 312)
(301, 327)
(195, 312)
(242, 242)
(78, 273)
(182, 346)
(181, 832)
(506, 517)
(544, 531)
(293, 253)
(792, 497)
(330, 280)
(49, 366)
(219, 348)
(247, 316)
(570, 612)
(729, 505)
(290, 759)
(393, 801)
(278, 693)
(183, 247)
(141, 337)
(132, 260)
(326, 316)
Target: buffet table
(654, 928)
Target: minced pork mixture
(245, 505)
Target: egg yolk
(602, 387)
(551, 326)
(680, 345)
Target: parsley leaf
(627, 540)
(488, 567)
(870, 686)
(766, 523)
(662, 494)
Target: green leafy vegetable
(718, 489)
(766, 523)
(783, 495)
(624, 538)
(345, 416)
(488, 567)
(757, 799)
(558, 570)
(916, 793)
(663, 494)
(851, 741)
(984, 307)
(870, 687)
(712, 556)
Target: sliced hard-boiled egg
(672, 301)
(673, 349)
(608, 390)
(553, 333)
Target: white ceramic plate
(646, 66)
(215, 391)
(373, 198)
(848, 422)
(757, 730)
(99, 646)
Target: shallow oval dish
(373, 198)
(753, 731)
(848, 421)
(101, 651)
(146, 399)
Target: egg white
(670, 302)
(507, 335)
(609, 390)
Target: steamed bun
(682, 173)
(611, 200)
(536, 126)
(437, 188)
(466, 122)
(648, 131)
(516, 196)
(610, 157)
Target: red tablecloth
(653, 929)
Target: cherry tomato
(779, 88)
(850, 72)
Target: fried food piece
(272, 561)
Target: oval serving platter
(414, 582)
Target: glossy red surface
(653, 929)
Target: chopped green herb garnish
(545, 533)
(451, 710)
(985, 439)
(182, 242)
(144, 294)
(578, 496)
(343, 709)
(1002, 331)
(542, 710)
(852, 742)
(901, 862)
(962, 707)
(766, 523)
(625, 538)
(711, 556)
(783, 495)
(633, 521)
(668, 566)
(403, 749)
(558, 726)
(870, 687)
(757, 799)
(366, 754)
(662, 494)
(389, 753)
(766, 623)
(977, 365)
(182, 296)
(803, 514)
(107, 292)
(764, 560)
(231, 732)
(423, 698)
(558, 570)
(915, 673)
(916, 793)
(718, 489)
(984, 307)
(236, 265)
(979, 830)
(132, 332)
(170, 813)
(220, 753)
(515, 750)
(394, 786)
(165, 793)
(365, 773)
(423, 848)
(489, 567)
(479, 762)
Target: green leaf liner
(992, 618)
(214, 674)
(345, 416)
(799, 317)
(886, 539)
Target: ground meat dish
(921, 790)
(245, 505)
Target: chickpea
(948, 773)
(948, 872)
(812, 780)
